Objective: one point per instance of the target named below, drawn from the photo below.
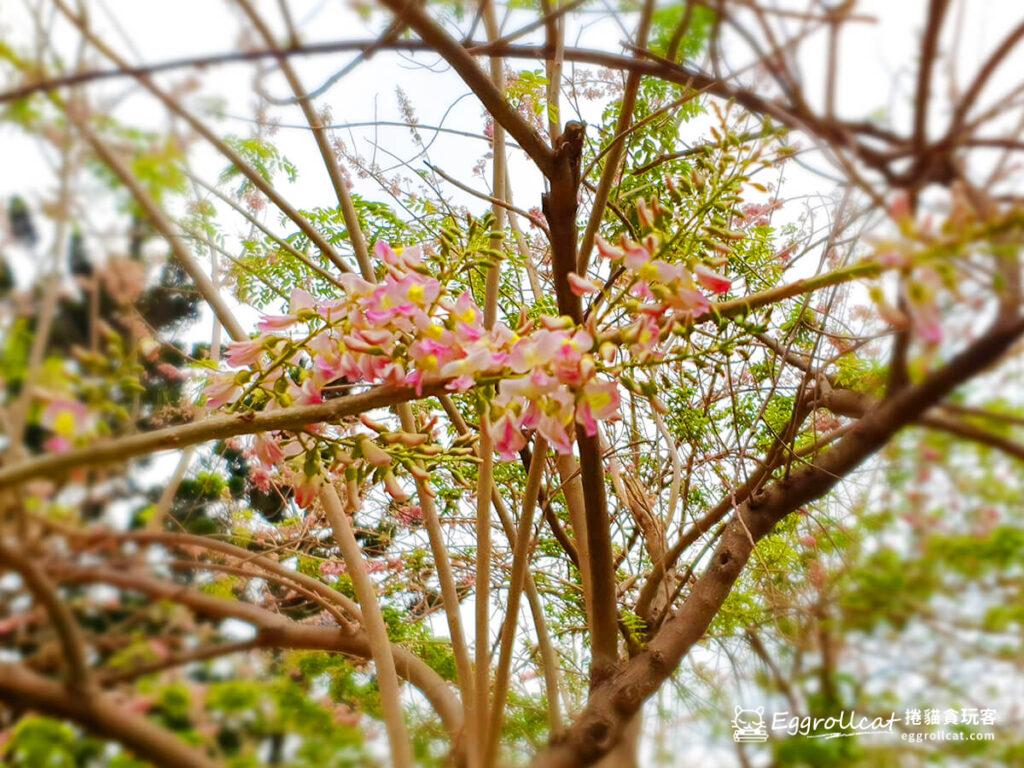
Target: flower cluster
(410, 329)
(401, 331)
(552, 383)
(662, 296)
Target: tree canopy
(548, 384)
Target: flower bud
(418, 472)
(643, 213)
(373, 453)
(392, 486)
(371, 424)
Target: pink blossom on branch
(582, 286)
(307, 489)
(507, 437)
(712, 280)
(242, 354)
(411, 327)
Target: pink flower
(544, 347)
(67, 417)
(555, 432)
(507, 437)
(644, 214)
(371, 340)
(327, 361)
(414, 379)
(261, 478)
(221, 390)
(599, 401)
(354, 286)
(308, 393)
(300, 301)
(555, 419)
(530, 387)
(636, 257)
(267, 450)
(385, 253)
(644, 334)
(466, 310)
(276, 322)
(711, 280)
(465, 369)
(899, 207)
(429, 355)
(661, 270)
(409, 514)
(412, 290)
(333, 568)
(924, 312)
(242, 354)
(571, 363)
(462, 383)
(581, 286)
(407, 330)
(607, 250)
(57, 444)
(927, 325)
(306, 490)
(692, 302)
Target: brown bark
(560, 205)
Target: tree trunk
(626, 752)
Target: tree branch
(211, 428)
(330, 161)
(376, 629)
(162, 225)
(276, 631)
(199, 127)
(434, 35)
(520, 559)
(77, 669)
(99, 715)
(929, 51)
(613, 161)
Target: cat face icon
(748, 725)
